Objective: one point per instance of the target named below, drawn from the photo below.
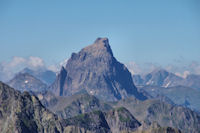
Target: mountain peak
(100, 40)
(45, 75)
(27, 82)
(94, 69)
(99, 47)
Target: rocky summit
(96, 71)
(23, 113)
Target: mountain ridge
(163, 78)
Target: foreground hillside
(23, 113)
(163, 113)
(146, 112)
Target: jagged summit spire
(102, 43)
(94, 69)
(102, 40)
(99, 47)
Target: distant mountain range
(95, 70)
(181, 91)
(46, 76)
(26, 82)
(163, 78)
(32, 80)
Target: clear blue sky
(158, 31)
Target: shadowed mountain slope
(22, 113)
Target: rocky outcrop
(95, 70)
(164, 114)
(156, 128)
(75, 129)
(22, 113)
(94, 122)
(67, 107)
(120, 119)
(114, 121)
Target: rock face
(22, 113)
(115, 121)
(120, 119)
(95, 70)
(156, 128)
(164, 114)
(58, 86)
(93, 121)
(67, 107)
(27, 82)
